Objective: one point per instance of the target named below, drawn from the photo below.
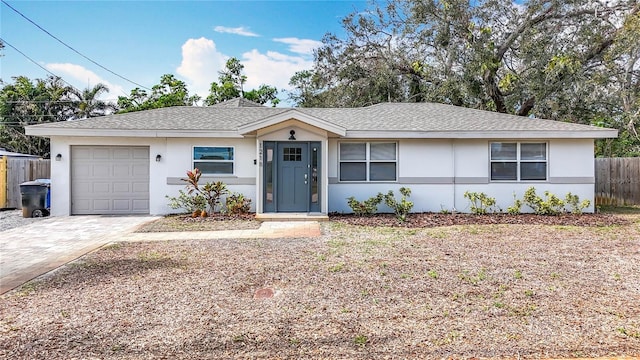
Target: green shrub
(550, 205)
(401, 208)
(189, 203)
(365, 208)
(576, 206)
(516, 208)
(237, 204)
(480, 202)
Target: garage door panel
(110, 180)
(120, 187)
(120, 171)
(100, 171)
(101, 204)
(101, 153)
(140, 153)
(140, 205)
(140, 170)
(139, 187)
(122, 153)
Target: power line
(35, 62)
(71, 48)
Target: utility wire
(35, 62)
(71, 48)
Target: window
(368, 161)
(518, 161)
(214, 159)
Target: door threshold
(292, 217)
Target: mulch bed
(421, 220)
(209, 223)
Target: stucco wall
(438, 171)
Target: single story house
(310, 160)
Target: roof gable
(292, 114)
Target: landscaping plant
(237, 204)
(480, 202)
(401, 208)
(367, 207)
(550, 205)
(211, 192)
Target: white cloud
(85, 78)
(300, 46)
(201, 62)
(272, 68)
(241, 30)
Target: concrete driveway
(32, 250)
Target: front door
(291, 176)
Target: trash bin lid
(34, 183)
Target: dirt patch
(496, 291)
(210, 223)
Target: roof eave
(48, 132)
(528, 134)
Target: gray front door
(293, 177)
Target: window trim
(518, 161)
(233, 162)
(368, 161)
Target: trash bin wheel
(39, 213)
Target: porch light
(293, 135)
(158, 158)
(58, 157)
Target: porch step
(292, 217)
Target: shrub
(401, 208)
(480, 202)
(237, 204)
(575, 204)
(365, 208)
(211, 192)
(189, 203)
(550, 205)
(515, 209)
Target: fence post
(3, 182)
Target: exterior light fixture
(293, 135)
(158, 158)
(58, 157)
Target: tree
(230, 85)
(170, 92)
(26, 102)
(567, 60)
(86, 103)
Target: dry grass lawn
(498, 291)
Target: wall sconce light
(293, 135)
(158, 158)
(58, 157)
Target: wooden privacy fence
(15, 171)
(617, 181)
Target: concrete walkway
(29, 251)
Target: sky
(142, 40)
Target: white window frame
(368, 161)
(519, 161)
(233, 162)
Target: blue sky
(141, 40)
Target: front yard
(493, 290)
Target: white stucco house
(309, 160)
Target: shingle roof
(388, 117)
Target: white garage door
(109, 180)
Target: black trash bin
(35, 198)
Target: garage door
(109, 180)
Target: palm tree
(86, 103)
